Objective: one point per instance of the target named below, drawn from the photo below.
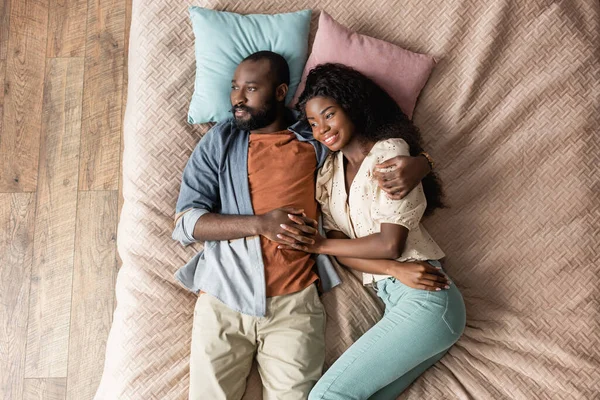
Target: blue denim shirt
(215, 180)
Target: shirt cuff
(184, 229)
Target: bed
(511, 115)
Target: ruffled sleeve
(323, 192)
(407, 211)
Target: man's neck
(281, 123)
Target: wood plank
(103, 88)
(17, 213)
(93, 288)
(45, 389)
(4, 26)
(128, 10)
(66, 28)
(19, 145)
(2, 79)
(124, 106)
(50, 304)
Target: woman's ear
(281, 92)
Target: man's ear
(281, 91)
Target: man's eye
(328, 116)
(251, 89)
(234, 88)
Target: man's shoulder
(218, 136)
(220, 129)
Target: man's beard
(258, 118)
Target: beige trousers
(288, 343)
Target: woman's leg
(418, 326)
(391, 391)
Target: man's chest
(280, 172)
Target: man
(242, 181)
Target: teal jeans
(417, 329)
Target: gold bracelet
(429, 159)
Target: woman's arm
(371, 266)
(388, 243)
(303, 235)
(418, 275)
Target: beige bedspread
(511, 115)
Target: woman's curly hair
(375, 115)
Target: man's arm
(212, 226)
(199, 193)
(199, 203)
(405, 174)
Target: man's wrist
(429, 159)
(257, 226)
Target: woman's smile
(330, 139)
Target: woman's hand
(270, 223)
(401, 175)
(301, 229)
(419, 275)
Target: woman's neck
(356, 151)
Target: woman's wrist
(320, 246)
(391, 267)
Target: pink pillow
(400, 72)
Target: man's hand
(301, 234)
(419, 275)
(271, 224)
(401, 174)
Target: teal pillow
(224, 39)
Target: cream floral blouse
(366, 207)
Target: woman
(369, 232)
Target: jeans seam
(444, 315)
(438, 264)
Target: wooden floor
(63, 76)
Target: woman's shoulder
(329, 163)
(393, 145)
(327, 170)
(325, 178)
(388, 148)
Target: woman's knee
(316, 393)
(321, 391)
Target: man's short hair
(279, 66)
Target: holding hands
(301, 233)
(271, 223)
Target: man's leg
(291, 345)
(223, 346)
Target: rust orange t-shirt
(281, 173)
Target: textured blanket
(511, 115)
